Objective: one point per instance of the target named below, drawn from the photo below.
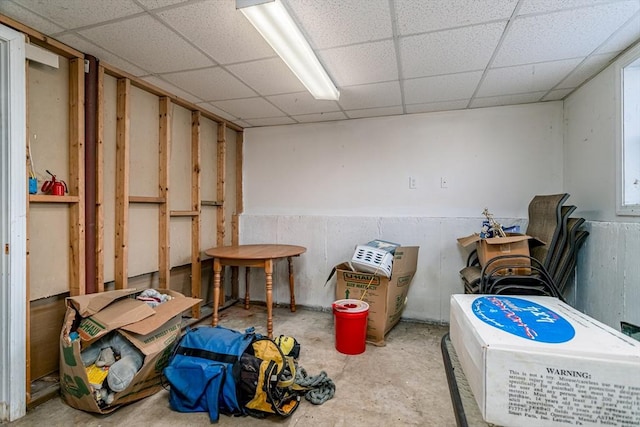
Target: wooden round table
(262, 256)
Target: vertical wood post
(77, 263)
(164, 268)
(235, 227)
(100, 182)
(122, 182)
(221, 192)
(196, 268)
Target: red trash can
(351, 325)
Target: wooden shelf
(146, 199)
(45, 198)
(210, 203)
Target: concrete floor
(400, 384)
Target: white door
(13, 190)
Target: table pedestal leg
(217, 268)
(268, 270)
(246, 288)
(291, 287)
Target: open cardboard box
(513, 244)
(386, 296)
(151, 330)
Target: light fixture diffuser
(276, 26)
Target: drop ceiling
(387, 57)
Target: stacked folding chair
(552, 263)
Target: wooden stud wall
(76, 176)
(196, 268)
(235, 227)
(75, 183)
(75, 198)
(166, 116)
(221, 188)
(99, 249)
(220, 194)
(122, 182)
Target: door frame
(13, 225)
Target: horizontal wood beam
(45, 198)
(210, 203)
(184, 213)
(146, 199)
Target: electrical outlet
(444, 183)
(412, 183)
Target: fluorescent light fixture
(277, 27)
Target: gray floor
(400, 384)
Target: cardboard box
(513, 244)
(151, 330)
(535, 361)
(386, 296)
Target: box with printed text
(386, 296)
(537, 362)
(152, 331)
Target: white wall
(608, 271)
(330, 186)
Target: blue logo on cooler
(523, 318)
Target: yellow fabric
(265, 350)
(268, 352)
(259, 402)
(292, 369)
(286, 343)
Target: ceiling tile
(437, 106)
(215, 110)
(450, 51)
(372, 95)
(374, 112)
(242, 124)
(545, 6)
(359, 64)
(561, 35)
(155, 4)
(302, 103)
(494, 101)
(173, 90)
(586, 69)
(525, 78)
(424, 16)
(85, 46)
(210, 84)
(556, 95)
(29, 18)
(441, 88)
(320, 117)
(79, 13)
(623, 38)
(219, 29)
(267, 76)
(148, 43)
(272, 121)
(353, 21)
(249, 108)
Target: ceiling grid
(386, 57)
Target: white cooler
(535, 361)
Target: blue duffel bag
(203, 368)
